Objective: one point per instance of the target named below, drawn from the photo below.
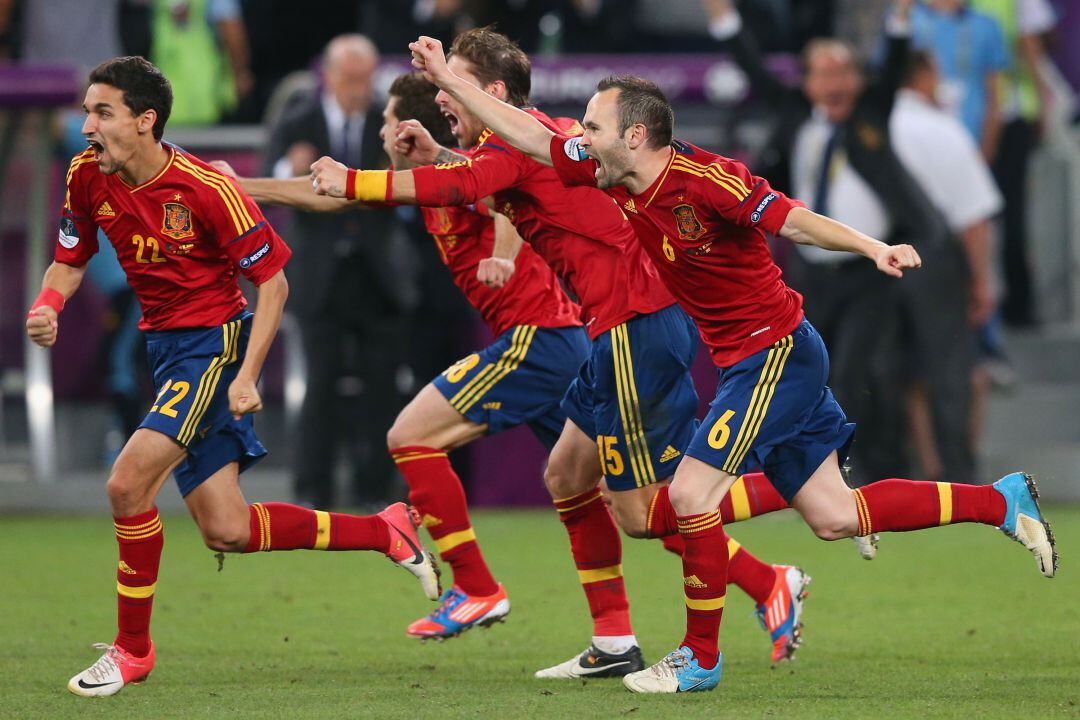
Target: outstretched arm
(808, 228)
(513, 125)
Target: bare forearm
(65, 279)
(507, 241)
(976, 240)
(293, 192)
(808, 228)
(991, 134)
(513, 125)
(269, 306)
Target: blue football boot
(678, 672)
(1024, 521)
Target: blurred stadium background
(59, 424)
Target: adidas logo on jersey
(630, 207)
(670, 453)
(106, 210)
(694, 582)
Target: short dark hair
(919, 61)
(642, 101)
(416, 101)
(143, 85)
(494, 57)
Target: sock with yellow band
(437, 494)
(140, 538)
(597, 551)
(280, 526)
(898, 505)
(705, 565)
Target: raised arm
(808, 228)
(513, 125)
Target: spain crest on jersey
(177, 222)
(690, 228)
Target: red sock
(141, 539)
(705, 564)
(597, 551)
(750, 496)
(280, 526)
(898, 505)
(745, 571)
(436, 492)
(752, 576)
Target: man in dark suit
(831, 149)
(354, 284)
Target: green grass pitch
(953, 622)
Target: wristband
(368, 185)
(50, 297)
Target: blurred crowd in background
(929, 144)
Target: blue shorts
(519, 378)
(635, 395)
(773, 411)
(192, 371)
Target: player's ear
(497, 89)
(145, 122)
(636, 136)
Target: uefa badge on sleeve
(574, 151)
(69, 233)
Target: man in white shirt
(942, 310)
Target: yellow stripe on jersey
(233, 202)
(717, 169)
(225, 187)
(662, 178)
(630, 407)
(209, 380)
(759, 403)
(83, 158)
(711, 173)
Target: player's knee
(682, 497)
(400, 435)
(835, 526)
(127, 488)
(226, 537)
(633, 523)
(562, 482)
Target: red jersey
(532, 297)
(703, 222)
(579, 232)
(181, 237)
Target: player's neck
(650, 164)
(144, 166)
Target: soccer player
(634, 400)
(183, 234)
(411, 105)
(702, 219)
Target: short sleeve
(571, 163)
(238, 226)
(746, 200)
(997, 52)
(77, 240)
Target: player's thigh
(145, 461)
(219, 509)
(573, 466)
(644, 397)
(826, 502)
(429, 420)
